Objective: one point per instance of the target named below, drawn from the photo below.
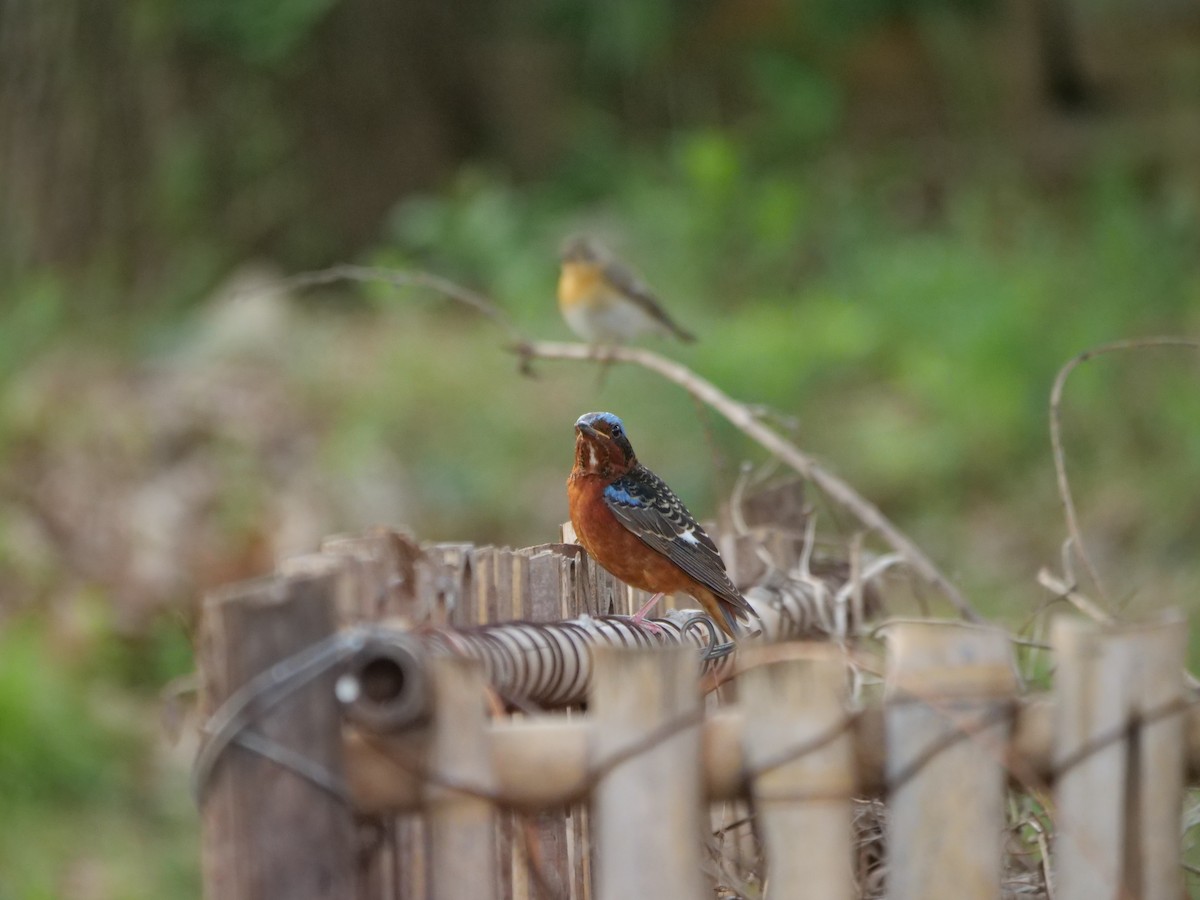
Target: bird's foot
(645, 624)
(639, 618)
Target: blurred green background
(891, 221)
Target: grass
(87, 786)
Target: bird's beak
(585, 428)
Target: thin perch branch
(742, 417)
(481, 303)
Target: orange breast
(578, 284)
(621, 551)
(617, 548)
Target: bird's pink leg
(639, 617)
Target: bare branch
(744, 419)
(481, 303)
(1060, 465)
(1068, 592)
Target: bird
(635, 526)
(605, 303)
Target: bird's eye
(616, 431)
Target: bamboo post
(950, 688)
(1118, 795)
(647, 807)
(445, 577)
(382, 569)
(537, 585)
(796, 724)
(461, 823)
(547, 601)
(379, 580)
(579, 853)
(268, 831)
(492, 567)
(1159, 653)
(580, 850)
(1091, 686)
(598, 591)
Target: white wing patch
(689, 535)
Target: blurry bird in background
(631, 523)
(605, 303)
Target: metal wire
(544, 664)
(564, 649)
(232, 720)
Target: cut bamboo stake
(496, 592)
(448, 568)
(462, 841)
(1092, 686)
(1159, 654)
(378, 580)
(382, 565)
(946, 680)
(601, 592)
(268, 831)
(555, 592)
(537, 573)
(1118, 802)
(359, 565)
(543, 835)
(581, 852)
(804, 804)
(547, 600)
(647, 810)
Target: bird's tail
(733, 612)
(731, 621)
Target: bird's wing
(645, 505)
(633, 288)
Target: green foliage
(74, 760)
(832, 19)
(918, 356)
(34, 314)
(799, 108)
(52, 747)
(261, 32)
(482, 231)
(146, 660)
(615, 40)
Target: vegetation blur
(890, 222)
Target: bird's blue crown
(593, 417)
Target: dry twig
(743, 418)
(1060, 465)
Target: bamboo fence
(394, 720)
